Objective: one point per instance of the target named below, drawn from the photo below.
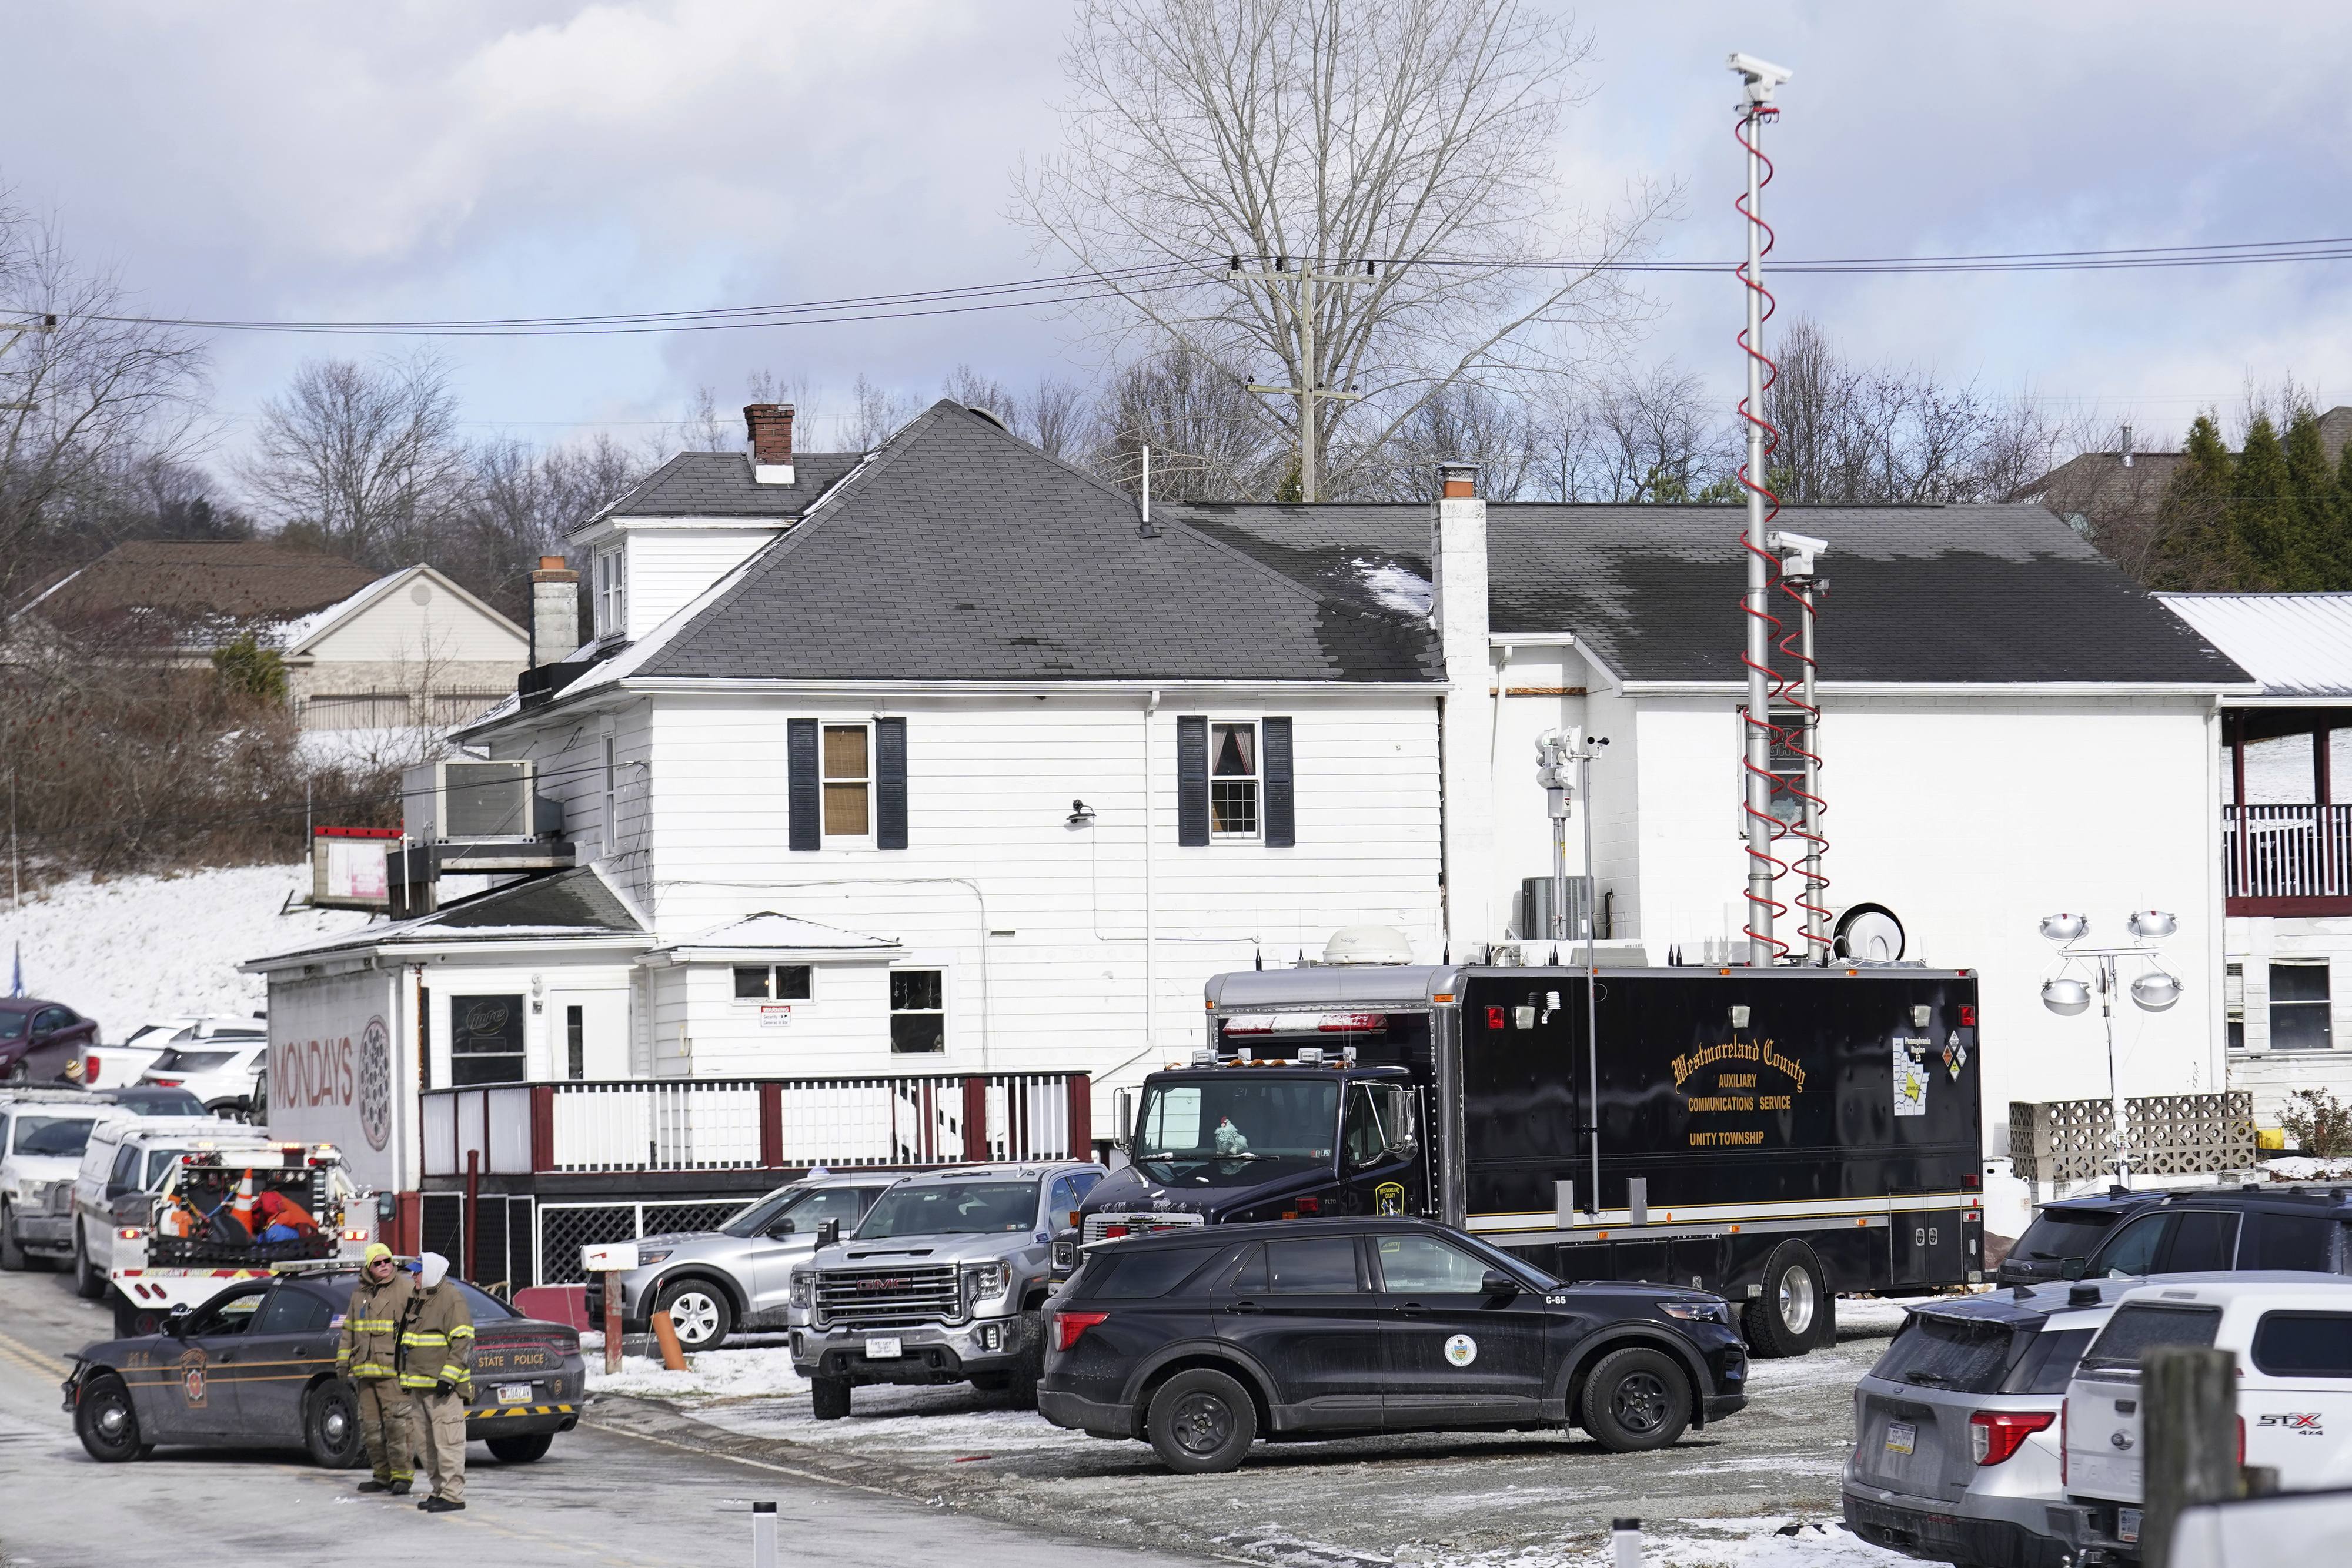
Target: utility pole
(1311, 369)
(44, 323)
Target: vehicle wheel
(992, 1382)
(135, 1322)
(523, 1449)
(1201, 1422)
(1786, 1319)
(698, 1311)
(828, 1397)
(89, 1284)
(12, 1257)
(230, 1110)
(1635, 1400)
(106, 1423)
(1022, 1381)
(331, 1426)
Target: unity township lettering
(1737, 1049)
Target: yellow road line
(32, 1360)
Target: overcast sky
(535, 157)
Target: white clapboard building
(943, 758)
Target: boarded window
(848, 782)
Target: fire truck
(200, 1235)
(1780, 1136)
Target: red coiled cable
(1777, 687)
(1816, 945)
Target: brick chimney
(769, 427)
(1457, 612)
(554, 610)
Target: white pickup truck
(2291, 1334)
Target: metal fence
(2164, 1135)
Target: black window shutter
(801, 791)
(1192, 779)
(889, 783)
(1274, 758)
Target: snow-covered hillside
(139, 948)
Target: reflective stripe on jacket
(436, 1341)
(371, 1341)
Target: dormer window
(611, 593)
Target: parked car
(2291, 1334)
(1956, 1428)
(43, 1132)
(120, 1063)
(122, 1167)
(1338, 1327)
(944, 1281)
(39, 1041)
(2069, 1229)
(2194, 1230)
(218, 1068)
(714, 1282)
(254, 1368)
(152, 1099)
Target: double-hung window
(1235, 782)
(845, 783)
(2234, 1003)
(919, 1014)
(791, 983)
(2299, 1004)
(611, 593)
(1232, 781)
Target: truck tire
(1785, 1320)
(1021, 1383)
(522, 1449)
(12, 1257)
(107, 1422)
(699, 1311)
(89, 1284)
(828, 1397)
(1201, 1422)
(331, 1426)
(134, 1322)
(1636, 1399)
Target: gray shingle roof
(720, 485)
(1966, 593)
(959, 552)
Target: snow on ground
(2298, 1168)
(709, 1374)
(138, 948)
(399, 746)
(1773, 1541)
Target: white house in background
(410, 648)
(942, 759)
(2286, 848)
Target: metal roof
(2295, 644)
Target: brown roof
(187, 580)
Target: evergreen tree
(2263, 519)
(2191, 551)
(2314, 557)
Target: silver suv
(1957, 1430)
(42, 1134)
(714, 1282)
(943, 1281)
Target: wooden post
(771, 1124)
(975, 1119)
(2190, 1400)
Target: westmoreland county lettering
(1737, 1049)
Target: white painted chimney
(554, 610)
(1457, 559)
(768, 429)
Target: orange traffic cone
(245, 1204)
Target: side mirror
(1122, 1117)
(783, 1227)
(2072, 1267)
(176, 1321)
(828, 1233)
(1405, 1138)
(1495, 1282)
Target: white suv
(122, 1167)
(43, 1132)
(2291, 1334)
(214, 1063)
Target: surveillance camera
(1761, 76)
(1801, 543)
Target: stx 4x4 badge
(2304, 1423)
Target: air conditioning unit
(465, 802)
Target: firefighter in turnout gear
(370, 1356)
(436, 1367)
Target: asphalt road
(599, 1496)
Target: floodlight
(2156, 991)
(2148, 925)
(2065, 997)
(2066, 927)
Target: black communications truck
(1780, 1136)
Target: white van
(2291, 1334)
(122, 1166)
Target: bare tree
(1627, 433)
(1407, 145)
(364, 459)
(524, 503)
(1465, 422)
(970, 388)
(1208, 442)
(1055, 416)
(88, 400)
(880, 411)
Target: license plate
(883, 1349)
(514, 1392)
(2127, 1526)
(1901, 1436)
